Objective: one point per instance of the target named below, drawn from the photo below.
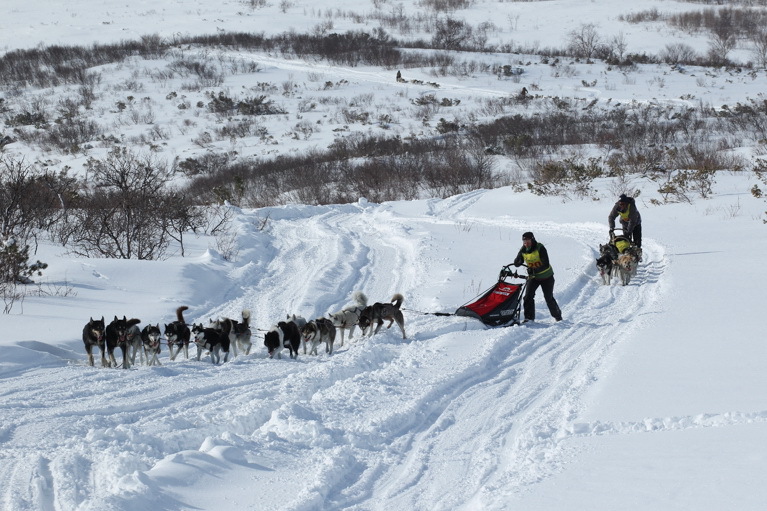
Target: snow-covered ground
(648, 396)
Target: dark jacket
(541, 269)
(634, 218)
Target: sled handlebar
(506, 272)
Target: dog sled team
(622, 254)
(221, 335)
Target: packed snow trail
(381, 423)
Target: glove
(517, 265)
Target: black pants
(547, 285)
(635, 235)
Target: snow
(646, 396)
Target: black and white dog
(300, 322)
(317, 331)
(284, 334)
(213, 340)
(116, 335)
(348, 318)
(378, 312)
(240, 333)
(178, 335)
(605, 262)
(150, 341)
(93, 335)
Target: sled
(501, 304)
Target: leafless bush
(678, 53)
(566, 178)
(645, 16)
(759, 40)
(451, 34)
(445, 5)
(126, 210)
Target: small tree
(759, 40)
(723, 37)
(584, 41)
(450, 34)
(30, 201)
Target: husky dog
(178, 334)
(284, 334)
(213, 340)
(150, 340)
(300, 322)
(318, 331)
(378, 312)
(348, 318)
(116, 334)
(218, 325)
(605, 262)
(627, 265)
(133, 336)
(241, 333)
(93, 335)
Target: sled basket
(499, 305)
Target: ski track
(66, 446)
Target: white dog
(348, 318)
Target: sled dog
(116, 335)
(212, 340)
(133, 341)
(93, 335)
(605, 263)
(178, 335)
(317, 331)
(150, 343)
(241, 334)
(627, 265)
(300, 322)
(348, 318)
(378, 312)
(284, 334)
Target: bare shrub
(450, 34)
(759, 41)
(678, 53)
(445, 5)
(566, 178)
(126, 211)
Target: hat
(528, 236)
(623, 198)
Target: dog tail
(397, 300)
(133, 321)
(180, 313)
(361, 299)
(246, 317)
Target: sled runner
(500, 305)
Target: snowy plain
(648, 396)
